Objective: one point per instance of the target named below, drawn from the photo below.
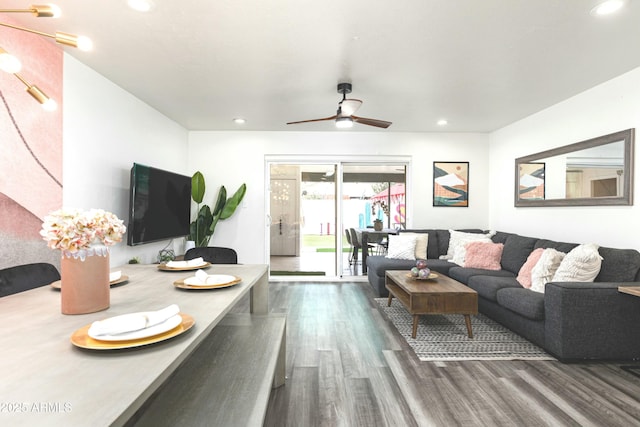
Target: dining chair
(213, 254)
(351, 247)
(357, 244)
(27, 276)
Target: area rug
(444, 337)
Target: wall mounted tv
(159, 205)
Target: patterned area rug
(444, 337)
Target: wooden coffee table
(441, 295)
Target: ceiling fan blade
(350, 106)
(313, 120)
(371, 122)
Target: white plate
(158, 329)
(212, 280)
(164, 267)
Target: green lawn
(323, 243)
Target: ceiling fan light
(141, 5)
(607, 7)
(344, 122)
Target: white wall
(231, 158)
(106, 130)
(604, 109)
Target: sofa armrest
(591, 321)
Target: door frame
(338, 160)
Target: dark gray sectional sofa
(571, 321)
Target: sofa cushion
(463, 275)
(619, 265)
(440, 265)
(559, 246)
(500, 237)
(402, 246)
(379, 264)
(516, 250)
(483, 255)
(582, 264)
(488, 286)
(522, 301)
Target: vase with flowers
(83, 238)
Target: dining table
(370, 235)
(46, 380)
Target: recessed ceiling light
(442, 122)
(607, 7)
(239, 121)
(141, 5)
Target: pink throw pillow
(483, 255)
(524, 275)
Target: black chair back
(346, 231)
(213, 254)
(27, 276)
(354, 238)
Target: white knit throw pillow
(582, 264)
(402, 246)
(545, 268)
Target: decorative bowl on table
(421, 271)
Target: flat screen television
(159, 205)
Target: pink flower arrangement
(75, 231)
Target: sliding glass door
(314, 208)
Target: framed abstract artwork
(531, 181)
(451, 184)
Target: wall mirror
(596, 172)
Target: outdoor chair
(352, 250)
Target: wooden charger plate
(81, 338)
(122, 279)
(182, 285)
(164, 267)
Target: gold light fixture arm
(37, 94)
(11, 64)
(82, 43)
(40, 11)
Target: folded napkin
(201, 278)
(115, 276)
(132, 322)
(190, 263)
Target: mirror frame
(627, 136)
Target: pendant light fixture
(12, 65)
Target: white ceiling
(481, 64)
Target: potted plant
(203, 226)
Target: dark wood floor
(346, 366)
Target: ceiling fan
(344, 117)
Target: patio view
(306, 229)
